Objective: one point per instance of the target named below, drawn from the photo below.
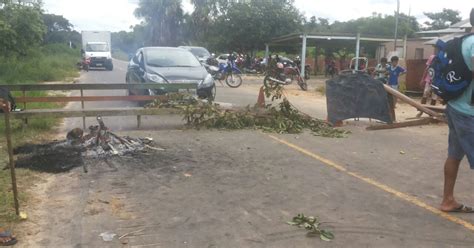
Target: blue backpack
(450, 74)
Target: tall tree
(21, 27)
(59, 30)
(163, 19)
(247, 25)
(443, 19)
(378, 25)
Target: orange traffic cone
(336, 124)
(261, 98)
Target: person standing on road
(460, 116)
(426, 81)
(395, 71)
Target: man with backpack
(460, 116)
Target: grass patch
(25, 180)
(37, 131)
(48, 63)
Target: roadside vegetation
(52, 62)
(246, 26)
(35, 47)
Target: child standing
(381, 70)
(395, 71)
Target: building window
(419, 53)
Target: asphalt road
(224, 95)
(237, 189)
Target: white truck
(96, 46)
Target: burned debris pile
(64, 155)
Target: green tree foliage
(247, 25)
(218, 24)
(21, 27)
(164, 19)
(378, 25)
(443, 19)
(314, 25)
(59, 30)
(203, 17)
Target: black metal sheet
(356, 96)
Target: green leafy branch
(280, 118)
(311, 224)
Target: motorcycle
(255, 68)
(85, 63)
(284, 76)
(307, 68)
(228, 72)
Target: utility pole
(396, 26)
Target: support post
(396, 26)
(139, 121)
(405, 47)
(82, 106)
(303, 56)
(267, 51)
(357, 51)
(6, 110)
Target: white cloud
(115, 15)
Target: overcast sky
(115, 15)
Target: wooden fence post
(6, 110)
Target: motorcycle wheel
(212, 97)
(303, 85)
(267, 82)
(233, 80)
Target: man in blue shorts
(460, 115)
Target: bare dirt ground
(214, 188)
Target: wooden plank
(88, 98)
(410, 101)
(64, 113)
(437, 108)
(86, 86)
(424, 121)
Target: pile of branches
(282, 118)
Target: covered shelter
(323, 39)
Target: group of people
(389, 73)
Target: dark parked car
(200, 52)
(164, 65)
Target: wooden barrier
(83, 112)
(63, 113)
